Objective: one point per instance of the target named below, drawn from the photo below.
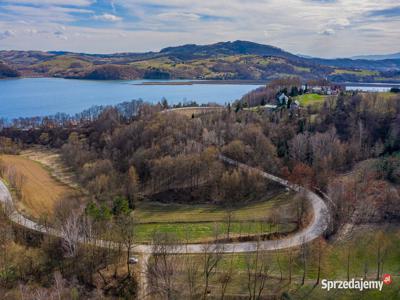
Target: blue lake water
(368, 88)
(29, 97)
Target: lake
(371, 87)
(29, 97)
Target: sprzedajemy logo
(356, 284)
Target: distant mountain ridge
(378, 57)
(224, 60)
(226, 48)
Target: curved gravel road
(315, 229)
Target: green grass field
(363, 260)
(154, 212)
(356, 72)
(200, 222)
(205, 231)
(310, 99)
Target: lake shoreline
(172, 82)
(156, 82)
(48, 96)
(193, 82)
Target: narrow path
(313, 231)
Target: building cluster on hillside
(285, 99)
(321, 89)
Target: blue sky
(325, 28)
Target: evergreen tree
(341, 118)
(121, 206)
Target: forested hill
(6, 71)
(193, 51)
(239, 60)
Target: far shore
(193, 82)
(188, 82)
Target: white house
(283, 99)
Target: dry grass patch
(51, 160)
(40, 191)
(195, 111)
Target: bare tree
(192, 276)
(225, 278)
(133, 186)
(320, 251)
(304, 253)
(257, 265)
(71, 229)
(278, 260)
(300, 147)
(212, 255)
(301, 209)
(228, 219)
(290, 266)
(381, 253)
(6, 236)
(41, 294)
(164, 266)
(15, 178)
(125, 227)
(59, 284)
(348, 256)
(23, 291)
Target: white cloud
(300, 26)
(107, 17)
(52, 2)
(328, 31)
(6, 34)
(112, 4)
(60, 35)
(174, 16)
(31, 31)
(31, 14)
(341, 22)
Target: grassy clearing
(207, 231)
(302, 69)
(310, 99)
(356, 72)
(363, 245)
(153, 212)
(196, 111)
(51, 161)
(63, 62)
(198, 223)
(40, 191)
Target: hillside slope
(6, 71)
(239, 60)
(379, 56)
